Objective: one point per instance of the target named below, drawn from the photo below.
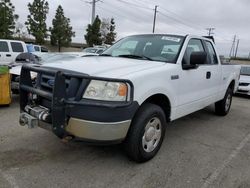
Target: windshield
(245, 71)
(163, 48)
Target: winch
(33, 115)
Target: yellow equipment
(5, 90)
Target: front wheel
(146, 133)
(222, 107)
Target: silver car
(244, 83)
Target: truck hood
(245, 79)
(112, 67)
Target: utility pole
(233, 47)
(210, 31)
(93, 9)
(237, 46)
(249, 56)
(155, 11)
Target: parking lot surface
(199, 150)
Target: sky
(228, 17)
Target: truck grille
(47, 82)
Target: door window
(211, 53)
(37, 49)
(4, 46)
(194, 45)
(16, 47)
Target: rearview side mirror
(198, 58)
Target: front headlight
(107, 91)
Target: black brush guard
(59, 100)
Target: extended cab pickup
(130, 92)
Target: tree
(93, 35)
(105, 25)
(61, 32)
(111, 35)
(7, 19)
(20, 31)
(36, 21)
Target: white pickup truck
(130, 92)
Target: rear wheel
(146, 133)
(223, 106)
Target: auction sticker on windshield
(174, 39)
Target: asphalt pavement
(199, 150)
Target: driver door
(194, 89)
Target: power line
(191, 23)
(177, 20)
(135, 5)
(115, 13)
(185, 19)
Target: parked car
(130, 92)
(15, 69)
(94, 50)
(10, 49)
(32, 48)
(244, 85)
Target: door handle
(208, 75)
(8, 55)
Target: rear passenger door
(5, 54)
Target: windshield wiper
(136, 56)
(104, 55)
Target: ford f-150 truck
(129, 93)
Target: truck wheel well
(232, 84)
(162, 101)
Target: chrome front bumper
(82, 129)
(98, 131)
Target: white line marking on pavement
(10, 179)
(217, 172)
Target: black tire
(222, 107)
(134, 141)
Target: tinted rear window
(37, 49)
(16, 47)
(4, 46)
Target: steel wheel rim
(228, 102)
(152, 135)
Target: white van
(10, 49)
